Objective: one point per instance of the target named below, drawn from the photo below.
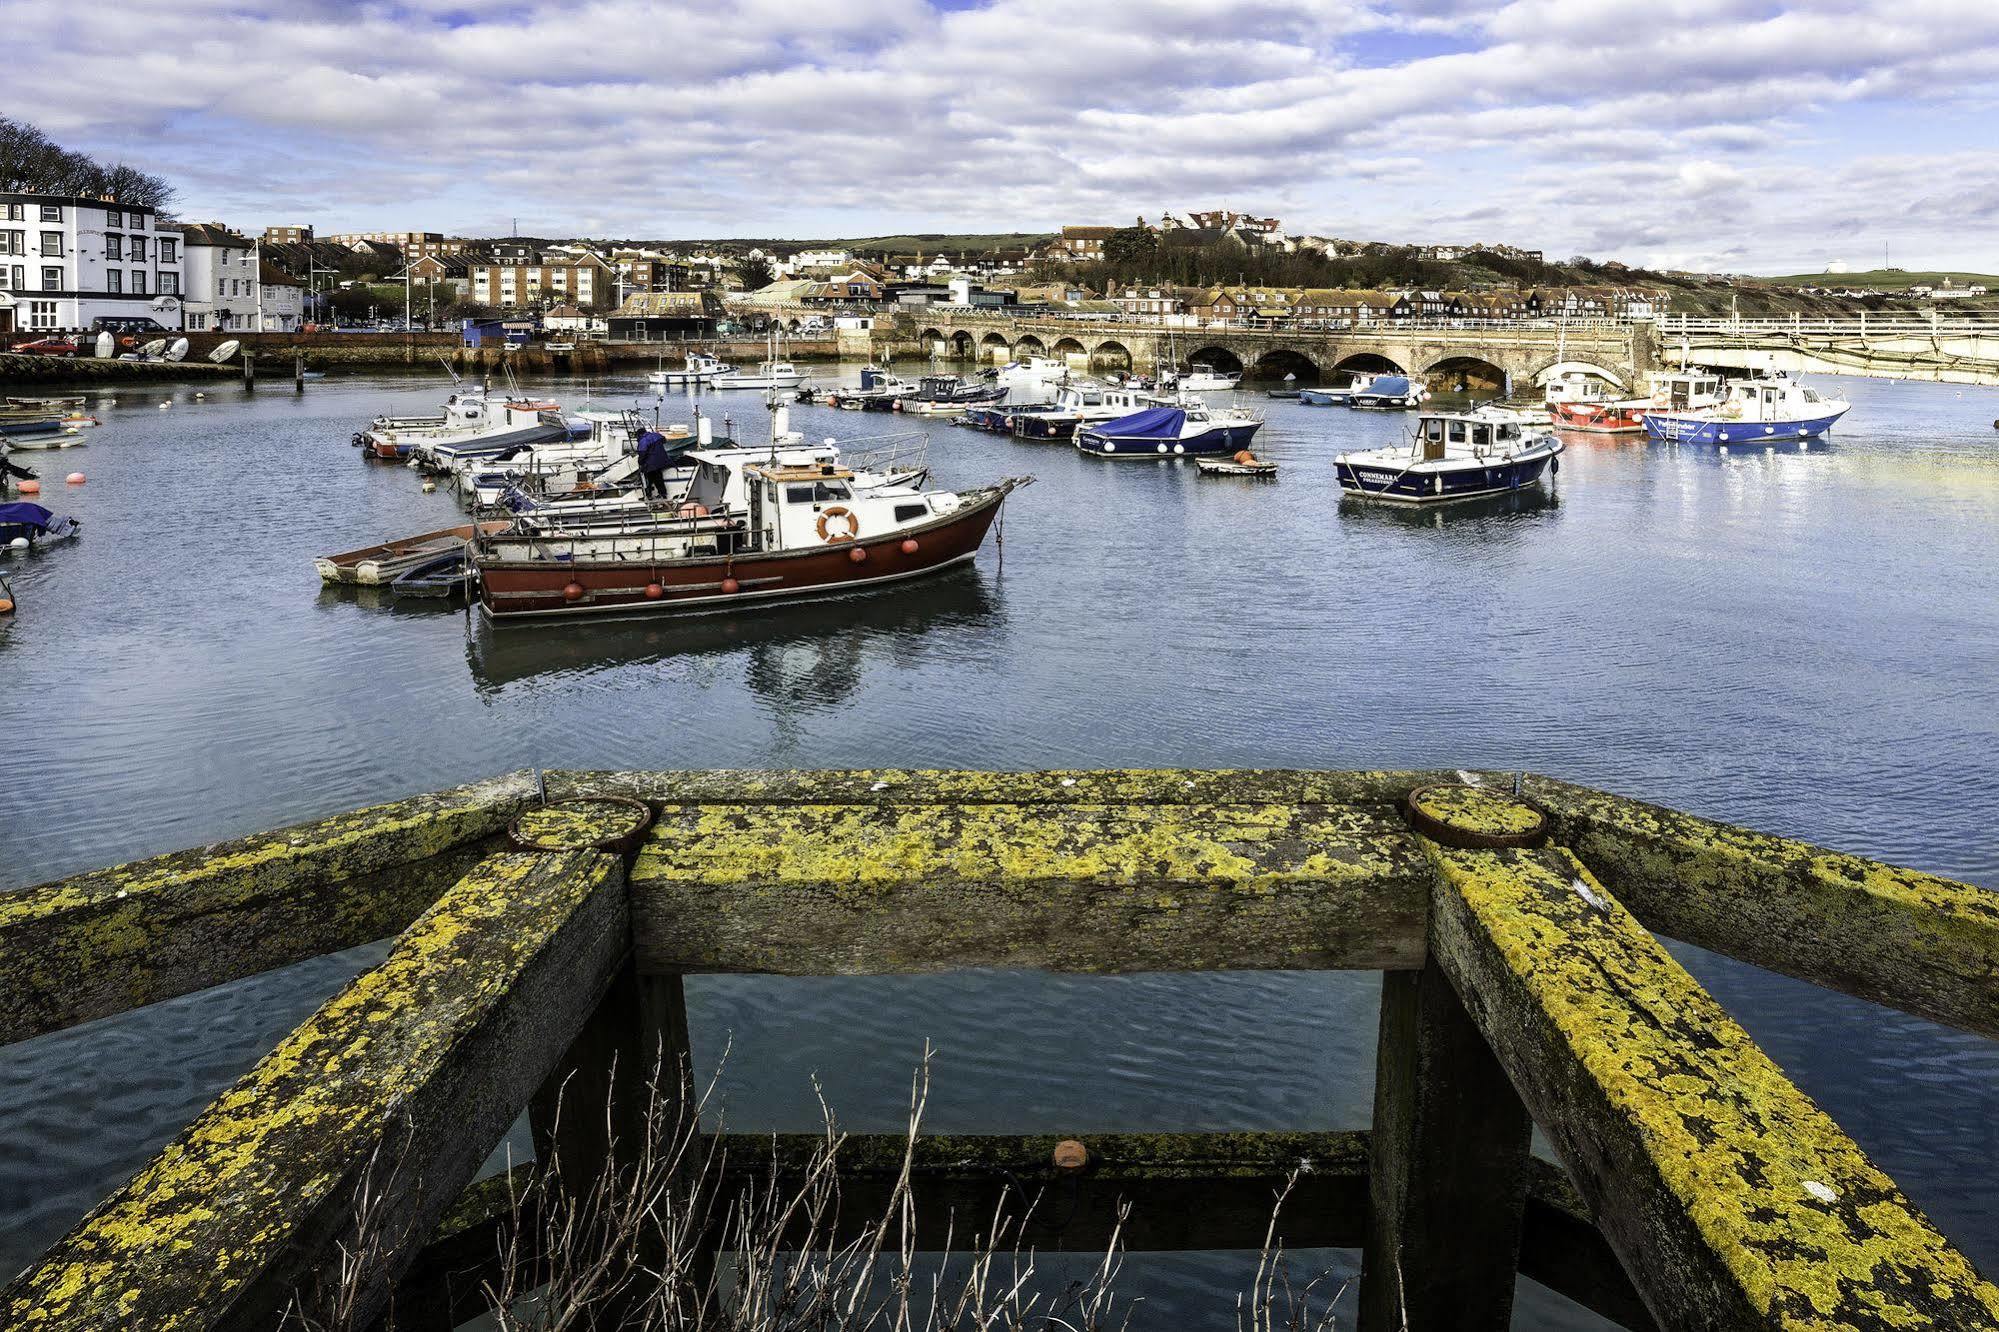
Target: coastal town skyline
(1800, 137)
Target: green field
(1884, 279)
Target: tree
(1130, 246)
(29, 160)
(755, 273)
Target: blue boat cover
(25, 514)
(1152, 423)
(1388, 386)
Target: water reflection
(808, 656)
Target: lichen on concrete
(1914, 941)
(858, 887)
(139, 932)
(205, 1221)
(1707, 1160)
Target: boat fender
(6, 605)
(909, 545)
(654, 591)
(858, 555)
(730, 587)
(845, 515)
(1161, 447)
(692, 511)
(75, 478)
(572, 592)
(1555, 466)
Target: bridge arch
(1282, 361)
(1221, 358)
(962, 346)
(1029, 345)
(930, 337)
(995, 348)
(1111, 355)
(1556, 369)
(1368, 363)
(1068, 347)
(1466, 374)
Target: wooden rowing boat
(1230, 467)
(378, 564)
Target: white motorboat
(1453, 456)
(1201, 377)
(698, 368)
(1754, 411)
(767, 375)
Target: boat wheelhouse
(1453, 456)
(471, 425)
(1186, 427)
(1773, 410)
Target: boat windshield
(1457, 435)
(1508, 430)
(1433, 428)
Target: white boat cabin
(1687, 390)
(1485, 432)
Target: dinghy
(380, 563)
(1244, 463)
(177, 352)
(222, 353)
(438, 578)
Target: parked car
(137, 324)
(51, 346)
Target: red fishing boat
(750, 529)
(1604, 418)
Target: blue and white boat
(1183, 428)
(1453, 456)
(1773, 410)
(1386, 393)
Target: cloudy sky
(1757, 135)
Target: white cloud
(1640, 129)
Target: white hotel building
(67, 262)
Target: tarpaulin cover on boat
(1387, 386)
(23, 514)
(1153, 423)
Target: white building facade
(68, 262)
(222, 286)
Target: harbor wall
(18, 371)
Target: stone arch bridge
(1491, 357)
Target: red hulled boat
(1603, 418)
(749, 530)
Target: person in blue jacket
(654, 460)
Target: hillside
(1884, 279)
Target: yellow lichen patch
(1718, 1159)
(579, 824)
(248, 1177)
(1477, 812)
(1914, 941)
(859, 887)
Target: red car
(56, 346)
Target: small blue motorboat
(1324, 397)
(22, 521)
(1189, 429)
(1386, 393)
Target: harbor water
(1801, 640)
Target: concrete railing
(543, 927)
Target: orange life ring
(853, 525)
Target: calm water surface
(1803, 641)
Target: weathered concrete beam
(113, 939)
(1913, 941)
(1732, 1200)
(1080, 786)
(839, 889)
(392, 1093)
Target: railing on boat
(1512, 917)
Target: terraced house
(71, 262)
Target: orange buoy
(730, 587)
(31, 487)
(75, 478)
(909, 545)
(654, 591)
(857, 555)
(6, 606)
(573, 592)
